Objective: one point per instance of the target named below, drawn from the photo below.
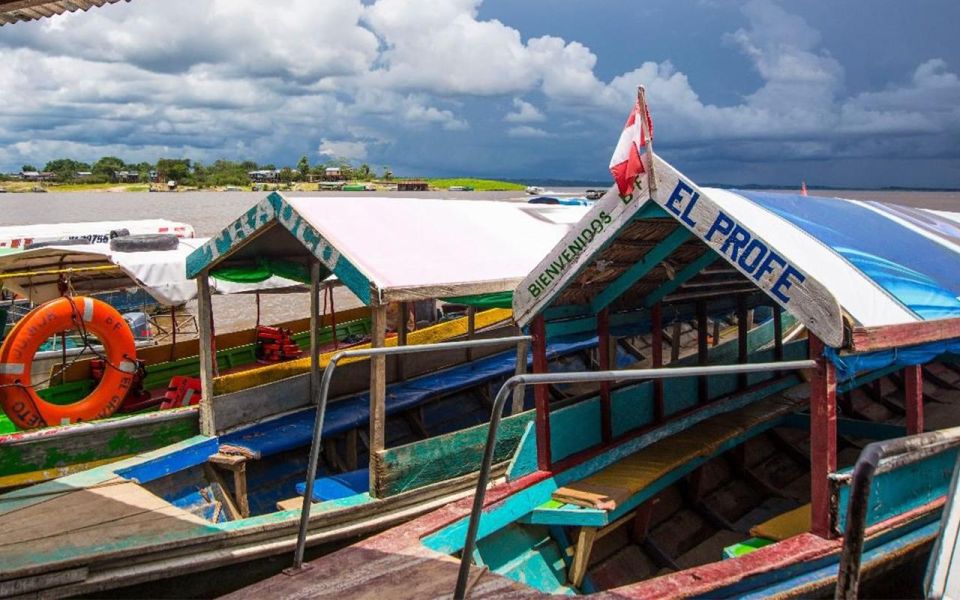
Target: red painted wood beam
(656, 319)
(866, 339)
(541, 394)
(913, 386)
(603, 350)
(823, 437)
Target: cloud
(524, 112)
(350, 150)
(526, 131)
(399, 81)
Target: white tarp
(161, 273)
(442, 247)
(18, 236)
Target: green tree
(200, 175)
(28, 168)
(287, 175)
(176, 169)
(363, 172)
(106, 168)
(387, 173)
(65, 169)
(248, 165)
(303, 168)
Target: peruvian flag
(625, 164)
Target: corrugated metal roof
(12, 11)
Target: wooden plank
(913, 383)
(428, 461)
(868, 339)
(541, 394)
(400, 361)
(639, 269)
(519, 393)
(314, 331)
(777, 333)
(683, 275)
(743, 328)
(656, 347)
(581, 557)
(703, 382)
(823, 437)
(603, 350)
(208, 424)
(378, 394)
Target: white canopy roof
(35, 273)
(404, 248)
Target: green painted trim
(524, 460)
(638, 270)
(686, 274)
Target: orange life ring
(21, 402)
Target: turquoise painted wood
(684, 275)
(567, 515)
(896, 492)
(450, 539)
(524, 460)
(527, 554)
(581, 426)
(651, 259)
(431, 460)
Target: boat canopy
(860, 275)
(37, 273)
(18, 236)
(392, 249)
(12, 11)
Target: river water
(209, 212)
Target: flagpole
(645, 123)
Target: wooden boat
(715, 485)
(232, 491)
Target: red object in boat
(275, 344)
(182, 391)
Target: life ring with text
(89, 316)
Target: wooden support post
(541, 394)
(205, 316)
(743, 329)
(378, 391)
(603, 348)
(702, 386)
(519, 393)
(675, 341)
(315, 324)
(581, 556)
(471, 329)
(777, 332)
(823, 437)
(401, 338)
(715, 338)
(913, 382)
(656, 319)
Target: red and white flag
(625, 164)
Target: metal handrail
(905, 451)
(580, 377)
(322, 409)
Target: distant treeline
(190, 172)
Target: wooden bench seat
(783, 526)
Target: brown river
(209, 212)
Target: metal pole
(322, 409)
(578, 377)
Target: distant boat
(533, 190)
(803, 188)
(459, 188)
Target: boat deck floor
(368, 574)
(71, 524)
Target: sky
(859, 93)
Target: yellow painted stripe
(235, 382)
(21, 479)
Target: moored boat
(719, 480)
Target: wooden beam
(913, 382)
(656, 320)
(651, 259)
(401, 339)
(823, 437)
(702, 351)
(866, 339)
(471, 329)
(603, 350)
(675, 336)
(777, 332)
(205, 320)
(683, 275)
(518, 394)
(315, 330)
(378, 391)
(743, 329)
(541, 394)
